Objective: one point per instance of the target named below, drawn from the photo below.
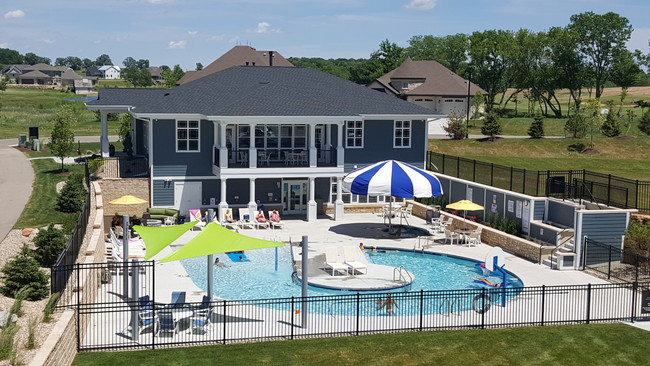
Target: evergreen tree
(612, 125)
(644, 122)
(49, 243)
(491, 127)
(23, 271)
(456, 128)
(536, 130)
(73, 194)
(576, 125)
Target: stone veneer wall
(60, 347)
(116, 188)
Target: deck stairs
(566, 245)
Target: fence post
(458, 167)
(492, 174)
(474, 171)
(537, 184)
(483, 304)
(78, 327)
(636, 268)
(543, 304)
(421, 308)
(293, 312)
(588, 303)
(635, 288)
(443, 163)
(511, 178)
(524, 183)
(358, 305)
(609, 263)
(609, 187)
(637, 195)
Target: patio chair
(178, 299)
(228, 221)
(167, 323)
(474, 238)
(147, 320)
(195, 215)
(450, 236)
(275, 224)
(260, 224)
(245, 220)
(201, 321)
(332, 261)
(145, 302)
(408, 210)
(350, 259)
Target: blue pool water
(258, 279)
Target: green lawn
(616, 156)
(21, 108)
(603, 344)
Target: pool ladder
(398, 275)
(448, 305)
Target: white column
(340, 151)
(103, 140)
(338, 204)
(223, 205)
(252, 205)
(252, 151)
(313, 154)
(223, 150)
(311, 204)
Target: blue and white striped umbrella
(392, 178)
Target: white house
(110, 71)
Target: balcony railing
(278, 158)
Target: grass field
(576, 345)
(616, 156)
(22, 108)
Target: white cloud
(264, 28)
(160, 1)
(421, 4)
(14, 14)
(4, 45)
(177, 45)
(48, 41)
(193, 33)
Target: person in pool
(361, 246)
(488, 282)
(219, 263)
(388, 303)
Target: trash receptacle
(429, 216)
(33, 132)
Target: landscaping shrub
(31, 333)
(24, 271)
(576, 126)
(49, 244)
(578, 147)
(50, 306)
(491, 127)
(536, 129)
(457, 127)
(7, 336)
(94, 165)
(637, 238)
(73, 194)
(644, 122)
(17, 306)
(612, 125)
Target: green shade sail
(157, 238)
(217, 239)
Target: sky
(185, 32)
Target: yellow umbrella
(128, 200)
(464, 205)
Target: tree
(172, 76)
(536, 130)
(456, 128)
(143, 64)
(568, 69)
(87, 63)
(10, 57)
(600, 39)
(73, 194)
(478, 101)
(33, 59)
(490, 55)
(199, 66)
(450, 51)
(644, 122)
(23, 272)
(62, 138)
(491, 127)
(625, 71)
(612, 125)
(637, 238)
(137, 77)
(576, 125)
(129, 62)
(125, 133)
(103, 60)
(49, 244)
(594, 118)
(388, 57)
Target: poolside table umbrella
(392, 178)
(128, 200)
(464, 205)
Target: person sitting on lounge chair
(227, 217)
(259, 217)
(488, 282)
(275, 216)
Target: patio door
(187, 196)
(294, 196)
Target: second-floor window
(187, 136)
(354, 134)
(402, 134)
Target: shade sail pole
(125, 255)
(276, 259)
(305, 268)
(210, 275)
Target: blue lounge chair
(178, 299)
(145, 302)
(167, 323)
(201, 321)
(147, 320)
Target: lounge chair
(201, 321)
(332, 261)
(245, 219)
(261, 224)
(275, 224)
(167, 323)
(145, 302)
(147, 320)
(178, 299)
(195, 215)
(228, 224)
(350, 259)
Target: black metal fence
(125, 167)
(614, 262)
(142, 320)
(602, 188)
(68, 256)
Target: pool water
(258, 279)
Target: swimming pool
(258, 278)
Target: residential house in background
(238, 56)
(157, 75)
(430, 85)
(279, 136)
(110, 72)
(41, 74)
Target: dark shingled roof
(263, 91)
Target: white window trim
(176, 136)
(363, 135)
(410, 129)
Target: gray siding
(239, 188)
(163, 193)
(561, 213)
(513, 215)
(322, 189)
(543, 233)
(605, 228)
(167, 162)
(538, 210)
(265, 186)
(378, 145)
(494, 203)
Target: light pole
(469, 85)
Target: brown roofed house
(238, 56)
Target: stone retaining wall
(116, 188)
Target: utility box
(36, 145)
(33, 132)
(22, 140)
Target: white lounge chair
(244, 222)
(350, 255)
(275, 224)
(228, 224)
(332, 261)
(260, 224)
(195, 215)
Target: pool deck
(359, 228)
